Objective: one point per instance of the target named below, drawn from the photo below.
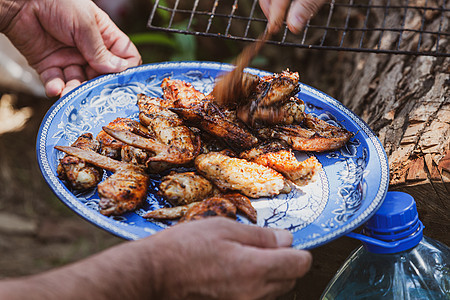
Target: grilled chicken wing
(312, 135)
(265, 104)
(241, 202)
(235, 136)
(134, 155)
(243, 205)
(283, 160)
(110, 146)
(184, 188)
(168, 128)
(214, 206)
(123, 191)
(200, 111)
(277, 88)
(181, 94)
(79, 174)
(170, 213)
(210, 207)
(171, 142)
(229, 173)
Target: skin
(298, 13)
(67, 42)
(214, 258)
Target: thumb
(300, 12)
(90, 43)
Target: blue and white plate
(343, 196)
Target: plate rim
(120, 228)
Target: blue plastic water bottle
(396, 261)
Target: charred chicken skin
(123, 191)
(312, 135)
(265, 104)
(199, 110)
(79, 174)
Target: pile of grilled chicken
(240, 150)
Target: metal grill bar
(377, 26)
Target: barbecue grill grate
(417, 27)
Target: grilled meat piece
(214, 206)
(184, 188)
(282, 159)
(235, 174)
(123, 191)
(181, 94)
(109, 145)
(170, 213)
(233, 135)
(169, 130)
(277, 88)
(312, 135)
(200, 111)
(287, 113)
(164, 152)
(141, 157)
(210, 207)
(134, 155)
(79, 174)
(265, 104)
(243, 205)
(171, 140)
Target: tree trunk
(405, 100)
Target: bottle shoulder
(422, 272)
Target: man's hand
(68, 41)
(300, 11)
(215, 258)
(219, 258)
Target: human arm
(298, 13)
(214, 258)
(66, 41)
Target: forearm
(8, 9)
(117, 273)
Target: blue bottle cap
(396, 225)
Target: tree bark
(405, 100)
